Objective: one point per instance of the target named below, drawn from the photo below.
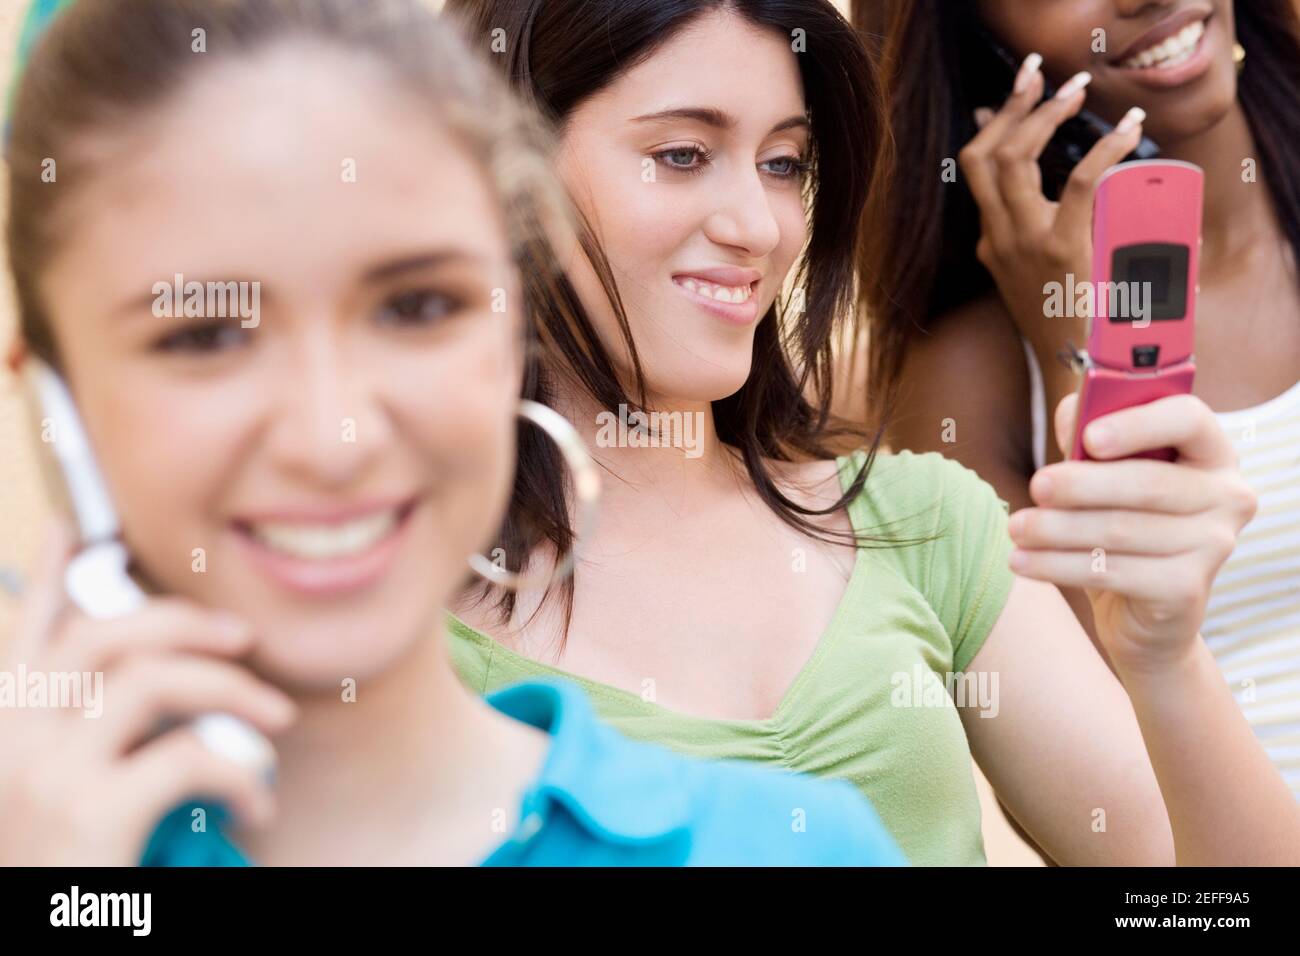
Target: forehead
(720, 60)
(300, 153)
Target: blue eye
(787, 167)
(686, 159)
(418, 308)
(212, 337)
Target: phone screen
(1155, 271)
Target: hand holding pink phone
(1146, 236)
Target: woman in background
(956, 270)
(746, 594)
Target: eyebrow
(716, 118)
(423, 260)
(144, 302)
(385, 270)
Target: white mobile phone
(97, 580)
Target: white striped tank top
(1252, 624)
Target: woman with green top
(746, 594)
(382, 190)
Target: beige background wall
(23, 505)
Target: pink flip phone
(1146, 244)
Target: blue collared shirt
(604, 800)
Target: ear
(1066, 413)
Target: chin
(702, 381)
(314, 646)
(312, 659)
(1221, 99)
(1190, 116)
(726, 388)
(1188, 125)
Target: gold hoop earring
(1239, 56)
(586, 493)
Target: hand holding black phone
(1076, 136)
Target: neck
(673, 455)
(1238, 213)
(414, 750)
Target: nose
(743, 218)
(330, 423)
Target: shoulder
(755, 815)
(974, 345)
(813, 484)
(912, 490)
(893, 476)
(904, 492)
(982, 325)
(969, 371)
(942, 529)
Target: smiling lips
(1170, 52)
(326, 554)
(721, 293)
(726, 293)
(324, 541)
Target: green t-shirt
(870, 704)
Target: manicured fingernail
(982, 116)
(1073, 85)
(1099, 437)
(1132, 119)
(1032, 64)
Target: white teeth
(723, 293)
(1171, 51)
(326, 541)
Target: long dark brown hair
(557, 53)
(937, 68)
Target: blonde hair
(105, 62)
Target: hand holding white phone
(177, 719)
